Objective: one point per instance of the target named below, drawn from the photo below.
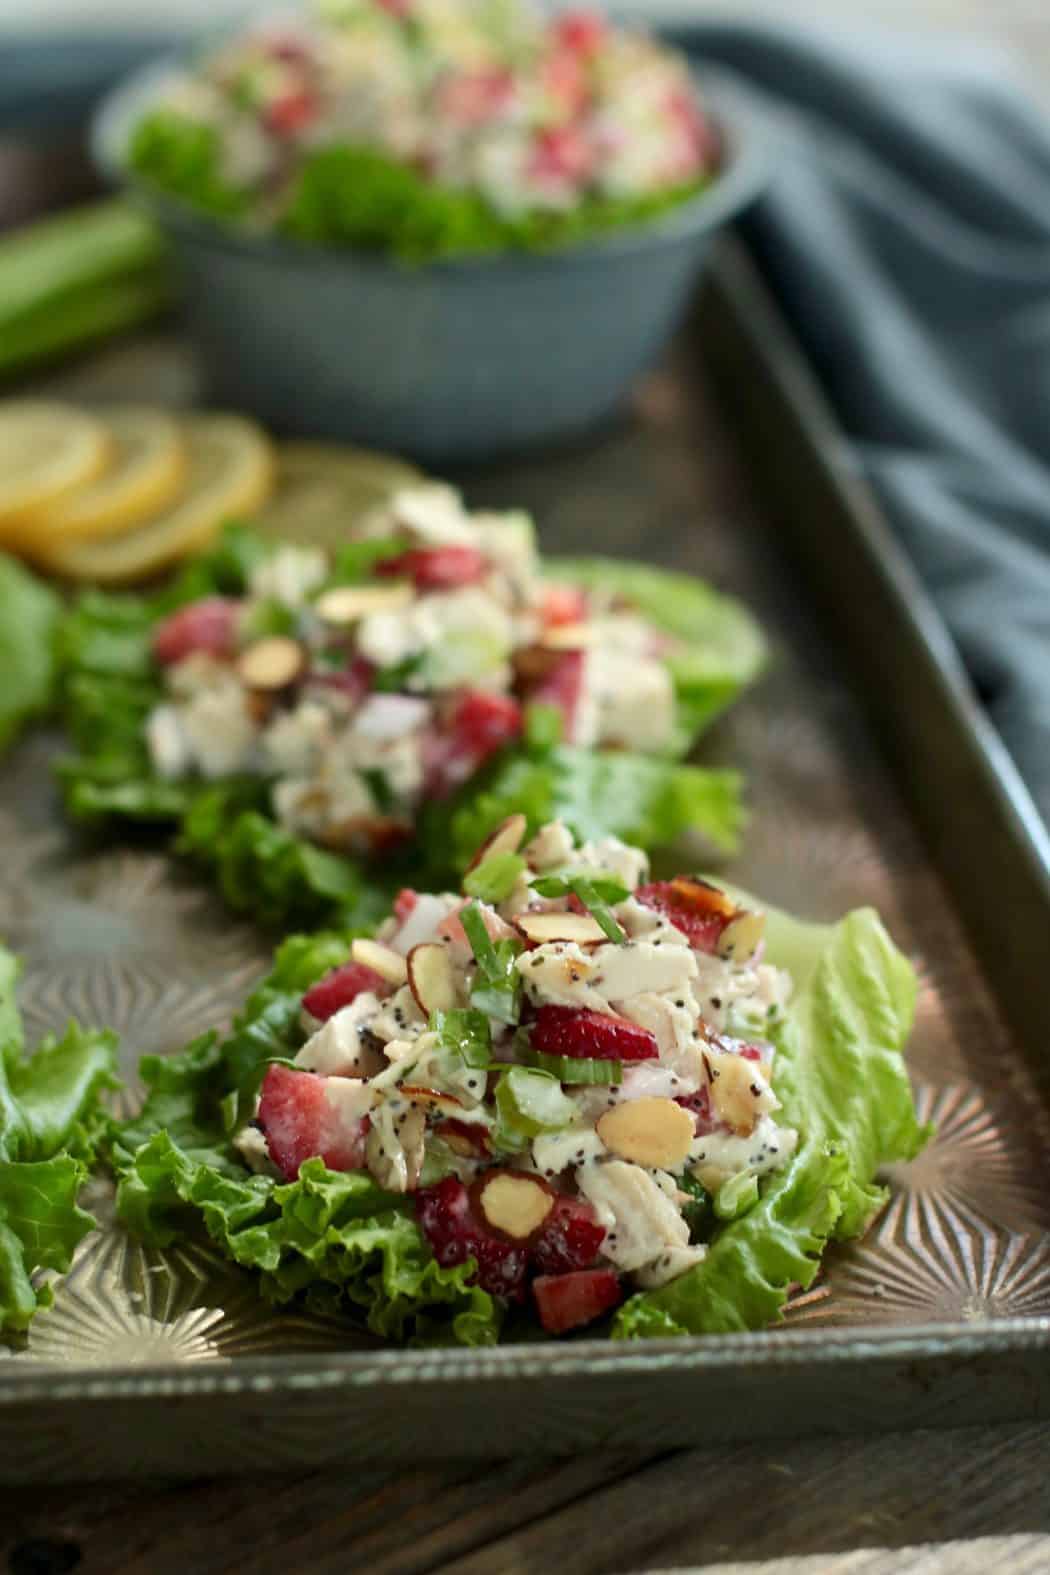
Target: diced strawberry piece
(563, 77)
(699, 1107)
(567, 1301)
(569, 1238)
(470, 98)
(338, 988)
(290, 113)
(561, 687)
(592, 1036)
(208, 625)
(464, 1138)
(437, 568)
(405, 903)
(700, 911)
(479, 725)
(455, 1233)
(581, 31)
(749, 1053)
(563, 604)
(561, 153)
(300, 1123)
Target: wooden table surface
(951, 1503)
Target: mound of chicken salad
(431, 127)
(566, 1091)
(349, 698)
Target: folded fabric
(906, 231)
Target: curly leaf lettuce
(336, 1240)
(842, 1082)
(28, 628)
(638, 798)
(719, 648)
(50, 1125)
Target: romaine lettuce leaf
(51, 1122)
(28, 627)
(638, 798)
(720, 650)
(841, 1078)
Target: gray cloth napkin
(906, 231)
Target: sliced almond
(383, 960)
(272, 663)
(346, 604)
(516, 1205)
(435, 1098)
(569, 637)
(739, 1092)
(469, 1142)
(652, 1132)
(432, 978)
(507, 838)
(533, 662)
(742, 936)
(578, 927)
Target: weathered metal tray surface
(169, 1362)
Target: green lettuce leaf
(27, 647)
(51, 1122)
(638, 798)
(842, 1082)
(719, 651)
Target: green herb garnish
(596, 892)
(497, 988)
(494, 878)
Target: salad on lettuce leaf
(51, 1122)
(304, 716)
(567, 1095)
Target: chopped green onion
(494, 878)
(356, 560)
(467, 1031)
(497, 989)
(544, 728)
(596, 892)
(573, 1069)
(531, 1102)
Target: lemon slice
(46, 450)
(323, 491)
(147, 467)
(229, 472)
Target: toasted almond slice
(652, 1132)
(739, 1092)
(146, 469)
(383, 960)
(507, 838)
(578, 927)
(742, 936)
(516, 1205)
(569, 637)
(46, 451)
(436, 1098)
(346, 604)
(432, 978)
(229, 473)
(272, 663)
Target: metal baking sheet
(168, 1362)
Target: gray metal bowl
(445, 361)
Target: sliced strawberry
(699, 1107)
(561, 687)
(478, 726)
(290, 113)
(582, 32)
(563, 604)
(437, 568)
(405, 903)
(693, 906)
(338, 988)
(593, 1036)
(208, 625)
(455, 1233)
(569, 1239)
(561, 153)
(300, 1122)
(567, 1301)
